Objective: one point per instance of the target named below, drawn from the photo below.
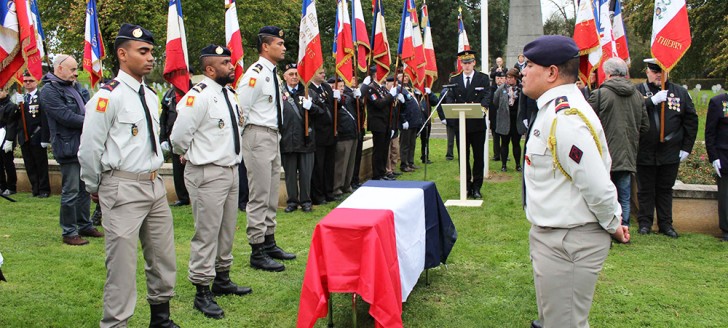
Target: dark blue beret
(550, 50)
(213, 50)
(331, 80)
(390, 79)
(291, 66)
(134, 33)
(372, 69)
(271, 31)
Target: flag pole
(336, 105)
(663, 78)
(305, 112)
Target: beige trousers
(393, 154)
(135, 211)
(214, 195)
(263, 161)
(566, 265)
(344, 166)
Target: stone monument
(524, 25)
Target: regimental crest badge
(137, 33)
(575, 154)
(102, 104)
(252, 82)
(561, 104)
(221, 124)
(134, 130)
(190, 101)
(661, 8)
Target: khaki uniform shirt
(587, 194)
(257, 95)
(115, 134)
(203, 131)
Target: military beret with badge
(213, 50)
(550, 50)
(129, 32)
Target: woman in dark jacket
(506, 99)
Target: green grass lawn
(488, 282)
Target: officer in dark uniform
(472, 87)
(34, 138)
(426, 102)
(322, 184)
(166, 122)
(361, 116)
(379, 104)
(658, 161)
(716, 143)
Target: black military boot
(222, 285)
(159, 317)
(260, 260)
(274, 251)
(205, 302)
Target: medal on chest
(134, 130)
(33, 110)
(673, 103)
(220, 124)
(725, 109)
(270, 99)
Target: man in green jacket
(623, 114)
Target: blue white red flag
(310, 57)
(234, 40)
(360, 37)
(343, 44)
(176, 70)
(380, 43)
(463, 43)
(93, 51)
(430, 61)
(619, 32)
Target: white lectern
(462, 112)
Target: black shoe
(243, 207)
(536, 324)
(355, 186)
(476, 194)
(260, 260)
(205, 303)
(495, 158)
(290, 208)
(387, 178)
(180, 203)
(518, 168)
(469, 194)
(319, 202)
(43, 195)
(427, 162)
(332, 198)
(449, 158)
(725, 237)
(159, 316)
(504, 168)
(396, 174)
(414, 167)
(270, 248)
(306, 207)
(222, 285)
(670, 232)
(644, 230)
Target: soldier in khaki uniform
(566, 156)
(207, 136)
(119, 156)
(261, 102)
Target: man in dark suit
(716, 143)
(379, 104)
(322, 183)
(471, 87)
(34, 138)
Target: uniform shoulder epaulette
(111, 85)
(199, 87)
(257, 68)
(152, 90)
(561, 103)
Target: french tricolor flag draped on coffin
(424, 231)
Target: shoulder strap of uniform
(257, 67)
(199, 87)
(111, 85)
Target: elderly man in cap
(566, 156)
(297, 149)
(120, 155)
(471, 87)
(658, 158)
(207, 137)
(261, 102)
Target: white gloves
(405, 125)
(400, 98)
(357, 93)
(659, 97)
(393, 92)
(428, 91)
(716, 166)
(525, 122)
(306, 103)
(45, 144)
(165, 146)
(7, 146)
(391, 135)
(683, 155)
(367, 80)
(443, 121)
(337, 94)
(19, 98)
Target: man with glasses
(33, 137)
(62, 100)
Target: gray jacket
(623, 114)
